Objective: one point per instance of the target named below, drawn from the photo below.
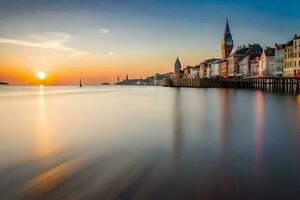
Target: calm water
(109, 142)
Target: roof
(290, 43)
(254, 50)
(241, 51)
(280, 46)
(296, 36)
(269, 51)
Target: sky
(98, 40)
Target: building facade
(224, 68)
(279, 59)
(292, 57)
(233, 61)
(267, 63)
(194, 71)
(249, 64)
(215, 68)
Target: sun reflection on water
(45, 143)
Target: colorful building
(249, 64)
(292, 57)
(233, 61)
(224, 68)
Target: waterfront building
(248, 65)
(233, 61)
(227, 42)
(186, 71)
(279, 59)
(267, 62)
(224, 68)
(208, 70)
(203, 68)
(194, 71)
(158, 79)
(292, 57)
(215, 68)
(177, 69)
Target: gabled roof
(269, 51)
(240, 51)
(280, 46)
(254, 50)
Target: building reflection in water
(177, 137)
(44, 141)
(223, 112)
(259, 133)
(223, 120)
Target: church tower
(227, 42)
(177, 66)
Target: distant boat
(105, 83)
(80, 83)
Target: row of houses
(247, 61)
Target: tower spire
(227, 42)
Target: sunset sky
(98, 40)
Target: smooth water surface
(127, 142)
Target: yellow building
(292, 57)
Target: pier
(282, 84)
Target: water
(127, 142)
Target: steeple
(227, 42)
(177, 66)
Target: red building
(224, 69)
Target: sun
(41, 75)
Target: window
(295, 64)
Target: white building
(215, 68)
(279, 59)
(267, 63)
(194, 71)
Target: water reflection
(259, 134)
(44, 140)
(224, 108)
(218, 143)
(177, 137)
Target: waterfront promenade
(282, 84)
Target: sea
(148, 142)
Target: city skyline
(100, 40)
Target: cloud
(103, 31)
(49, 40)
